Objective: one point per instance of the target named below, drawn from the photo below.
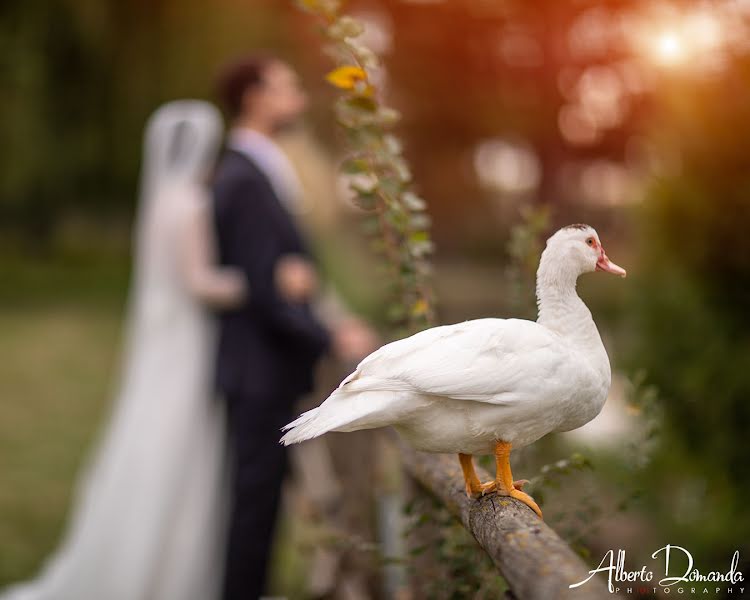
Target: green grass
(60, 338)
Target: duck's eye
(590, 241)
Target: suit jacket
(268, 347)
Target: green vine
(379, 175)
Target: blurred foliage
(78, 78)
(446, 561)
(524, 249)
(692, 329)
(53, 93)
(379, 176)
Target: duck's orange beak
(604, 264)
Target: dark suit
(266, 355)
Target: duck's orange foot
(491, 486)
(517, 493)
(527, 500)
(475, 489)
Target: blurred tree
(51, 124)
(694, 334)
(78, 79)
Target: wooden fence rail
(533, 559)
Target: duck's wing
(495, 361)
(486, 360)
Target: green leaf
(392, 144)
(420, 221)
(345, 27)
(396, 218)
(361, 103)
(365, 136)
(355, 166)
(365, 200)
(407, 270)
(387, 116)
(421, 249)
(401, 168)
(391, 186)
(413, 202)
(364, 55)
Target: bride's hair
(239, 76)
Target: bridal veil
(148, 515)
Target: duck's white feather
(459, 388)
(486, 360)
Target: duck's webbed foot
(527, 500)
(476, 489)
(492, 486)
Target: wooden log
(533, 559)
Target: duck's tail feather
(348, 408)
(302, 428)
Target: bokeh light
(507, 166)
(669, 47)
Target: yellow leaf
(309, 5)
(633, 410)
(419, 308)
(327, 7)
(346, 77)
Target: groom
(267, 348)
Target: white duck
(486, 385)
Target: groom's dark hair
(239, 76)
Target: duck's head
(576, 250)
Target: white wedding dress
(148, 517)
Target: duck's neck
(560, 307)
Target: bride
(148, 517)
